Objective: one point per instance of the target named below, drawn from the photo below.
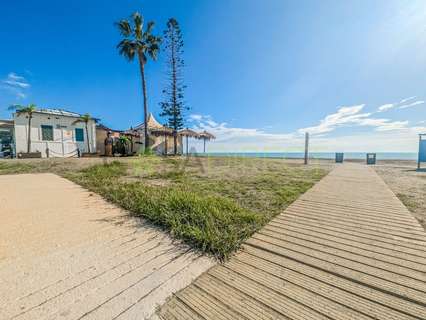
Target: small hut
(160, 136)
(206, 136)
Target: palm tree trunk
(165, 144)
(145, 103)
(29, 134)
(87, 138)
(204, 145)
(175, 142)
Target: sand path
(65, 253)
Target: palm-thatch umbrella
(188, 133)
(206, 136)
(162, 131)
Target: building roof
(152, 124)
(58, 112)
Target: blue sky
(259, 73)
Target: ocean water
(316, 155)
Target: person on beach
(108, 144)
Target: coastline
(391, 156)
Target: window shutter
(47, 133)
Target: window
(79, 135)
(47, 133)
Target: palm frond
(23, 109)
(124, 27)
(127, 48)
(149, 29)
(84, 118)
(153, 51)
(138, 25)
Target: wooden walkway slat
(346, 249)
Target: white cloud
(195, 117)
(415, 103)
(392, 126)
(343, 116)
(386, 107)
(385, 135)
(407, 99)
(232, 139)
(351, 117)
(15, 84)
(400, 105)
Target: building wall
(160, 145)
(64, 143)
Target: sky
(259, 74)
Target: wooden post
(187, 152)
(306, 147)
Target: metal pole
(418, 159)
(306, 147)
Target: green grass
(15, 168)
(409, 201)
(211, 204)
(213, 211)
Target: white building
(55, 130)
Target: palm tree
(86, 118)
(143, 44)
(30, 109)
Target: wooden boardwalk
(347, 249)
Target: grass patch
(409, 201)
(15, 168)
(212, 209)
(211, 204)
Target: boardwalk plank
(346, 249)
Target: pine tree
(174, 106)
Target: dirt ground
(408, 184)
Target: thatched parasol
(160, 132)
(163, 131)
(205, 136)
(188, 133)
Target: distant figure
(108, 144)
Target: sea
(316, 155)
